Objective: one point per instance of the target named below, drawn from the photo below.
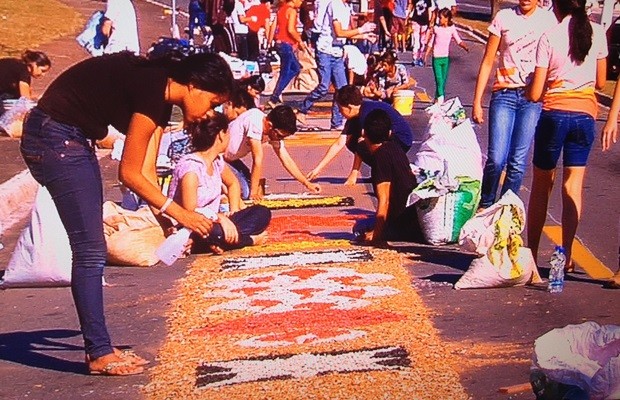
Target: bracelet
(163, 208)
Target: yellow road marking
(581, 255)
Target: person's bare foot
(113, 365)
(260, 239)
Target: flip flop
(132, 357)
(127, 355)
(111, 369)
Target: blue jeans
(289, 68)
(512, 123)
(331, 70)
(568, 132)
(64, 161)
(243, 174)
(250, 221)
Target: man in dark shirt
(356, 110)
(393, 181)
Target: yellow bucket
(403, 101)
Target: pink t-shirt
(519, 36)
(570, 86)
(442, 36)
(209, 186)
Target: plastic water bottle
(556, 273)
(173, 246)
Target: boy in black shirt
(393, 181)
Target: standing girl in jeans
(514, 32)
(570, 63)
(135, 96)
(442, 36)
(287, 40)
(197, 183)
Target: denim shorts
(568, 132)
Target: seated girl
(197, 184)
(254, 85)
(389, 78)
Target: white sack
(42, 256)
(585, 355)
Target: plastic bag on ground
(443, 206)
(42, 256)
(495, 235)
(483, 274)
(131, 236)
(12, 121)
(450, 145)
(585, 355)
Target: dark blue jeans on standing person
(331, 70)
(289, 68)
(512, 123)
(61, 158)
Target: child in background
(443, 33)
(254, 85)
(197, 184)
(390, 77)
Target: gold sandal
(111, 369)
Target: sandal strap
(117, 364)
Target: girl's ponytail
(580, 34)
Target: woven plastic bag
(42, 256)
(443, 206)
(586, 355)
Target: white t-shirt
(355, 60)
(124, 34)
(519, 36)
(328, 43)
(441, 4)
(238, 11)
(248, 125)
(571, 86)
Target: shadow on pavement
(27, 348)
(448, 256)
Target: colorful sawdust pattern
(343, 330)
(305, 202)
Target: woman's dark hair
(579, 28)
(446, 13)
(256, 82)
(203, 133)
(283, 117)
(241, 98)
(348, 95)
(377, 126)
(38, 57)
(206, 71)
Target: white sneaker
(440, 100)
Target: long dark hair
(579, 28)
(203, 133)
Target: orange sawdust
(346, 280)
(249, 291)
(316, 317)
(261, 279)
(264, 303)
(304, 293)
(357, 294)
(303, 273)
